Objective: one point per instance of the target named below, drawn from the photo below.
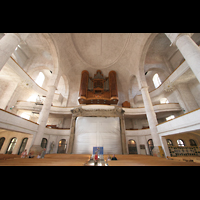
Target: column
(72, 135)
(165, 146)
(7, 46)
(152, 120)
(188, 49)
(123, 136)
(43, 118)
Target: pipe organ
(98, 90)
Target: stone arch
(141, 77)
(53, 51)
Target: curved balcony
(157, 108)
(10, 121)
(141, 132)
(14, 122)
(160, 108)
(17, 69)
(180, 70)
(184, 123)
(31, 106)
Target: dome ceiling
(100, 50)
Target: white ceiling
(76, 52)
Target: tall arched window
(156, 80)
(192, 142)
(11, 146)
(2, 139)
(44, 143)
(180, 143)
(23, 145)
(40, 79)
(25, 116)
(164, 100)
(169, 142)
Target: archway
(62, 146)
(132, 148)
(141, 77)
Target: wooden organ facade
(98, 90)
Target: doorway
(62, 146)
(132, 148)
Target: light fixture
(169, 87)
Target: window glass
(11, 146)
(180, 143)
(25, 115)
(40, 79)
(2, 141)
(156, 80)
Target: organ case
(98, 90)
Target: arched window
(25, 116)
(169, 142)
(132, 147)
(151, 146)
(11, 146)
(40, 79)
(44, 143)
(23, 145)
(180, 143)
(32, 98)
(156, 80)
(170, 117)
(164, 100)
(62, 146)
(2, 139)
(192, 142)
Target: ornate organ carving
(98, 90)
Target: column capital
(173, 37)
(180, 35)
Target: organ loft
(98, 90)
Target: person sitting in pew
(114, 158)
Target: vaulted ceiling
(121, 52)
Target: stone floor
(81, 159)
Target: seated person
(114, 158)
(30, 155)
(109, 158)
(24, 154)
